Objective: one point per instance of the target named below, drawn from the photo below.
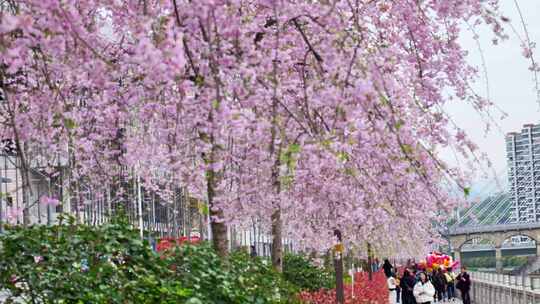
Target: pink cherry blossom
(329, 114)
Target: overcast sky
(511, 86)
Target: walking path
(456, 301)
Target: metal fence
(154, 215)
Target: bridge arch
(467, 241)
(510, 234)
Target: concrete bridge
(494, 234)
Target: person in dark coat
(464, 285)
(439, 282)
(387, 267)
(407, 286)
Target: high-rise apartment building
(523, 156)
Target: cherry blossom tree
(314, 115)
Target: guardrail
(493, 288)
(492, 228)
(507, 246)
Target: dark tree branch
(306, 40)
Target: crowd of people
(412, 285)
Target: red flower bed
(168, 243)
(365, 291)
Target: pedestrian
(439, 282)
(407, 287)
(398, 287)
(417, 273)
(387, 267)
(464, 285)
(450, 284)
(424, 290)
(392, 286)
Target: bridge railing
(492, 228)
(505, 246)
(493, 288)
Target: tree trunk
(277, 238)
(370, 262)
(26, 196)
(277, 245)
(219, 229)
(26, 183)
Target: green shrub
(514, 261)
(479, 262)
(301, 271)
(241, 279)
(72, 263)
(81, 264)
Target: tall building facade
(523, 156)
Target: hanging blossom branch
(356, 158)
(482, 58)
(528, 47)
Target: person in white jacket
(392, 289)
(424, 290)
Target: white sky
(511, 87)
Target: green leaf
(343, 157)
(286, 180)
(69, 123)
(203, 208)
(326, 143)
(288, 157)
(215, 104)
(294, 148)
(384, 100)
(199, 80)
(407, 149)
(351, 171)
(467, 191)
(399, 124)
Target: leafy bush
(489, 262)
(479, 262)
(81, 264)
(301, 271)
(241, 279)
(514, 261)
(73, 263)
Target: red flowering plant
(365, 291)
(168, 242)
